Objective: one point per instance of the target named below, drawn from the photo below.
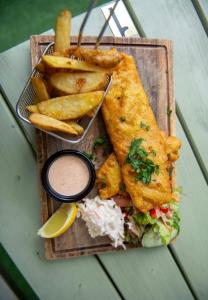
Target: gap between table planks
(179, 21)
(154, 60)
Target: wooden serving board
(154, 61)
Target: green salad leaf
(144, 219)
(158, 235)
(175, 220)
(151, 239)
(156, 232)
(163, 231)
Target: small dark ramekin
(62, 198)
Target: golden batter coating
(109, 177)
(128, 116)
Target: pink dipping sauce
(68, 175)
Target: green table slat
(178, 20)
(20, 220)
(147, 274)
(191, 248)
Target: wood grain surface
(154, 61)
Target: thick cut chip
(102, 58)
(70, 107)
(62, 31)
(79, 129)
(73, 83)
(32, 108)
(60, 62)
(50, 124)
(40, 89)
(109, 177)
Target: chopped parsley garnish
(144, 126)
(98, 141)
(153, 152)
(122, 118)
(157, 170)
(103, 185)
(169, 111)
(102, 141)
(143, 166)
(122, 187)
(89, 155)
(102, 182)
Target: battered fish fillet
(128, 116)
(109, 177)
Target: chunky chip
(79, 129)
(69, 107)
(62, 31)
(51, 124)
(73, 83)
(60, 62)
(40, 88)
(103, 58)
(32, 108)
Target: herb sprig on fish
(141, 164)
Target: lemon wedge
(59, 222)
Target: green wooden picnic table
(179, 271)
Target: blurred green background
(21, 18)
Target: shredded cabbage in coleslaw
(103, 217)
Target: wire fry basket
(27, 98)
(28, 95)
